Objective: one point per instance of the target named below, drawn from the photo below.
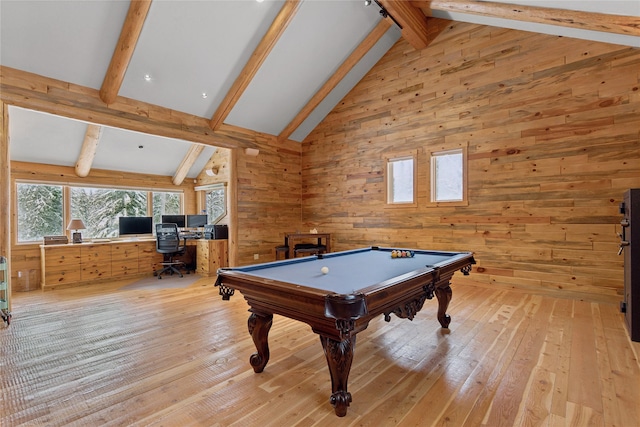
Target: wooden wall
(552, 127)
(268, 198)
(25, 257)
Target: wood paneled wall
(268, 198)
(25, 267)
(552, 127)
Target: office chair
(168, 244)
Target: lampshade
(76, 224)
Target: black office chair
(168, 244)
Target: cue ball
(324, 270)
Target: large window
(45, 210)
(401, 180)
(99, 208)
(40, 211)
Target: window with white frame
(401, 180)
(448, 176)
(215, 201)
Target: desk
(204, 256)
(291, 239)
(360, 285)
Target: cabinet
(124, 260)
(211, 255)
(60, 264)
(83, 263)
(95, 262)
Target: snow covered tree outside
(165, 203)
(39, 211)
(216, 204)
(99, 208)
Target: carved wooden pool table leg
(339, 357)
(259, 326)
(444, 297)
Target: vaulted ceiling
(275, 67)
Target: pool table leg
(444, 297)
(259, 326)
(339, 357)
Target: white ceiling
(194, 47)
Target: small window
(448, 177)
(40, 211)
(216, 203)
(401, 180)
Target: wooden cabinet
(148, 259)
(124, 260)
(84, 263)
(60, 264)
(211, 255)
(95, 262)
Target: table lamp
(76, 224)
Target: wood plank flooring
(98, 355)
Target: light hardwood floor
(99, 355)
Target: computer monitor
(178, 220)
(135, 225)
(196, 220)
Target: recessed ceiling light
(147, 77)
(204, 95)
(259, 1)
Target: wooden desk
(291, 239)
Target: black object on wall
(630, 247)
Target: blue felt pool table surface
(349, 271)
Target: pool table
(358, 286)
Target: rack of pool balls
(396, 253)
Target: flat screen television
(196, 220)
(178, 220)
(135, 225)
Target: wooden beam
(412, 21)
(333, 81)
(279, 25)
(188, 161)
(129, 35)
(35, 92)
(88, 150)
(617, 24)
(5, 196)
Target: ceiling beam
(617, 24)
(88, 150)
(188, 161)
(39, 93)
(411, 19)
(337, 77)
(278, 27)
(123, 52)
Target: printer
(216, 231)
